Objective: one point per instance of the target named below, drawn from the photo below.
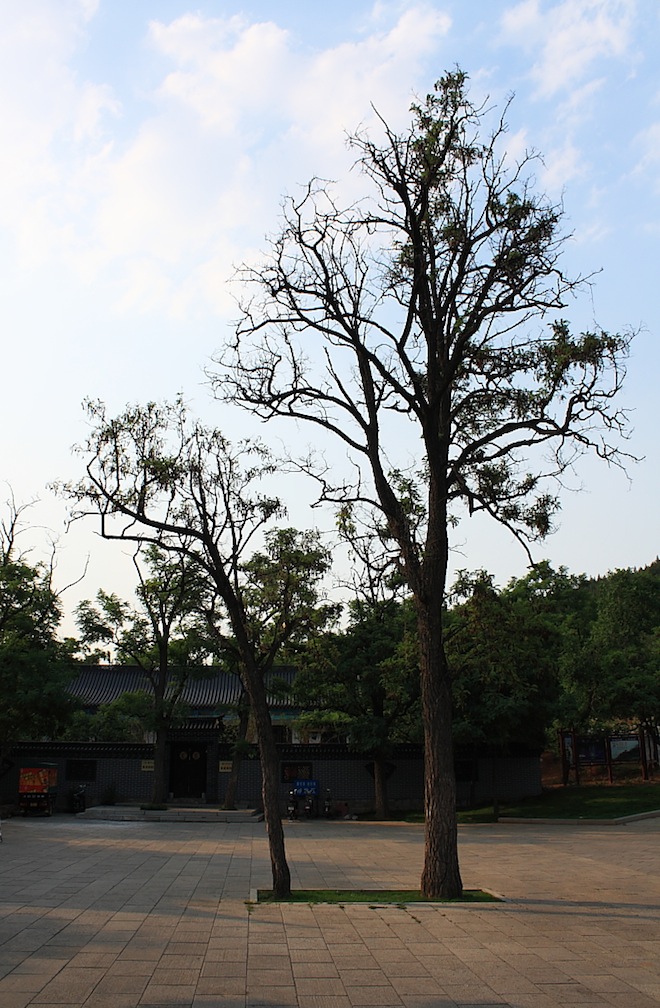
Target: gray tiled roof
(206, 691)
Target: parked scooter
(79, 799)
(310, 811)
(328, 811)
(292, 805)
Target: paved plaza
(116, 915)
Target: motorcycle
(79, 801)
(292, 806)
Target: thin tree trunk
(255, 687)
(270, 765)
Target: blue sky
(145, 149)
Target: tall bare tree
(422, 327)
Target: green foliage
(554, 649)
(282, 595)
(126, 719)
(35, 666)
(364, 682)
(611, 659)
(502, 650)
(166, 636)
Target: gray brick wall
(119, 771)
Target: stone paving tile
(320, 985)
(40, 965)
(363, 978)
(111, 985)
(224, 969)
(405, 986)
(314, 970)
(131, 967)
(310, 956)
(218, 1001)
(270, 978)
(21, 982)
(274, 997)
(70, 986)
(376, 997)
(323, 1001)
(156, 994)
(636, 999)
(407, 969)
(114, 1000)
(437, 1001)
(223, 985)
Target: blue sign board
(306, 788)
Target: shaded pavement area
(126, 914)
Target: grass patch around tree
(398, 897)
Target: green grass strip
(588, 801)
(395, 896)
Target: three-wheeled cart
(37, 788)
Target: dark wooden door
(188, 771)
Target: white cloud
(571, 37)
(241, 112)
(225, 69)
(341, 83)
(51, 126)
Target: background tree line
(548, 650)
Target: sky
(145, 149)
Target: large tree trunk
(441, 876)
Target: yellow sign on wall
(224, 766)
(147, 764)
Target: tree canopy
(35, 665)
